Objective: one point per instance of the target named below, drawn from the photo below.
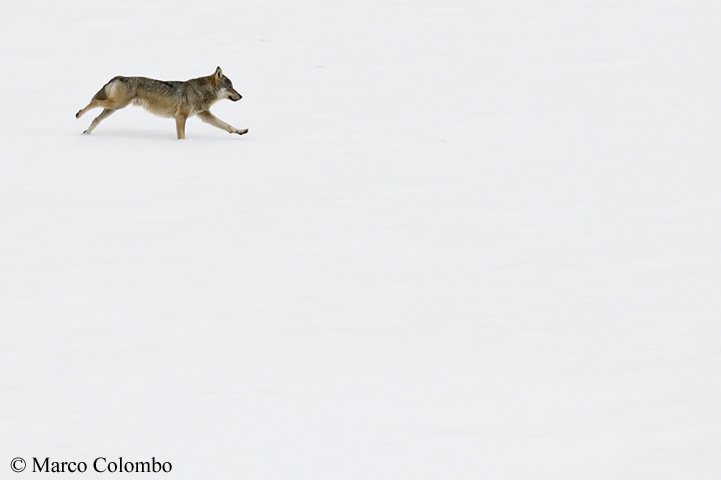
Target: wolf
(178, 100)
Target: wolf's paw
(241, 132)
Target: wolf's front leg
(180, 125)
(208, 117)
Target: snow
(460, 240)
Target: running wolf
(178, 100)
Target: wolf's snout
(235, 97)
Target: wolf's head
(224, 87)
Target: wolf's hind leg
(91, 105)
(113, 96)
(103, 115)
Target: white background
(462, 239)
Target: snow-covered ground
(462, 239)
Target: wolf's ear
(218, 73)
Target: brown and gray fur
(178, 100)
